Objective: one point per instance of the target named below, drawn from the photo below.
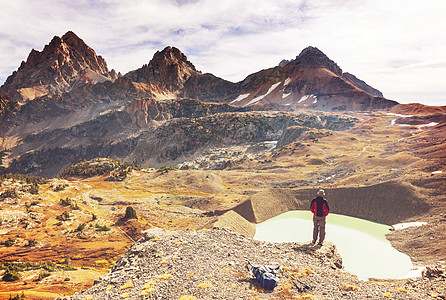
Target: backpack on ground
(265, 275)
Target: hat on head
(321, 193)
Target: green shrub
(69, 202)
(67, 268)
(130, 213)
(18, 296)
(165, 169)
(31, 243)
(65, 216)
(11, 276)
(43, 275)
(9, 242)
(80, 227)
(60, 187)
(33, 189)
(102, 228)
(65, 202)
(49, 266)
(96, 167)
(32, 180)
(9, 193)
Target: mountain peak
(62, 64)
(70, 35)
(168, 68)
(310, 50)
(172, 55)
(70, 38)
(313, 57)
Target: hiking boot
(320, 243)
(313, 242)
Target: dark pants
(319, 228)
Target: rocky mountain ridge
(154, 133)
(66, 88)
(66, 62)
(311, 80)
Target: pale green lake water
(362, 244)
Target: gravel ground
(211, 264)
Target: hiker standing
(319, 207)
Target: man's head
(321, 193)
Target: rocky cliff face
(7, 105)
(152, 133)
(64, 63)
(210, 88)
(81, 104)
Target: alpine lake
(362, 244)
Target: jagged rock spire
(62, 64)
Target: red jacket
(319, 207)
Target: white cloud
(397, 46)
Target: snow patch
(437, 172)
(429, 125)
(287, 81)
(400, 226)
(327, 178)
(418, 126)
(257, 99)
(398, 115)
(240, 98)
(303, 98)
(285, 95)
(308, 97)
(272, 88)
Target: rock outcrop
(212, 265)
(7, 105)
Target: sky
(396, 46)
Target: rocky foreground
(211, 264)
